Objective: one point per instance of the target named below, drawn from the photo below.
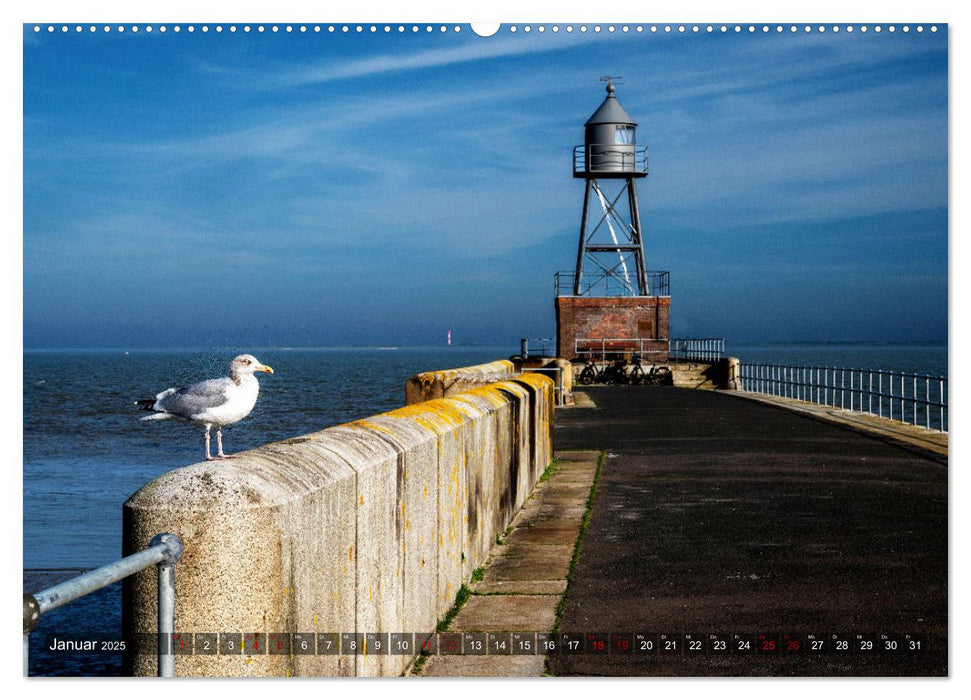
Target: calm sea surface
(86, 452)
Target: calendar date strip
(494, 643)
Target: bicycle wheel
(588, 375)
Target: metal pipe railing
(918, 399)
(604, 347)
(528, 347)
(164, 550)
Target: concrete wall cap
(535, 380)
(488, 398)
(253, 479)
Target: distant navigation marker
(450, 337)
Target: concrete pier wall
(556, 368)
(368, 527)
(448, 382)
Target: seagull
(214, 402)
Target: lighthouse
(611, 300)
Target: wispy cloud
(286, 76)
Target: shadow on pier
(717, 515)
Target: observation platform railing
(612, 283)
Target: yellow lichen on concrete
(435, 385)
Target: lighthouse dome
(610, 140)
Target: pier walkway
(719, 518)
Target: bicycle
(616, 373)
(657, 376)
(590, 373)
(637, 374)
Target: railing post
(940, 398)
(913, 400)
(927, 391)
(166, 602)
(890, 397)
(869, 393)
(903, 394)
(842, 389)
(31, 618)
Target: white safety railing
(917, 399)
(697, 349)
(607, 348)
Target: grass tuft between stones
(460, 599)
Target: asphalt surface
(719, 520)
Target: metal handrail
(615, 346)
(547, 345)
(898, 396)
(558, 391)
(164, 550)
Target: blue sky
(311, 188)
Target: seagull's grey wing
(192, 400)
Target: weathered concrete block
(491, 491)
(377, 555)
(542, 407)
(478, 460)
(443, 383)
(521, 462)
(445, 426)
(258, 553)
(416, 519)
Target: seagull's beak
(263, 368)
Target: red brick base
(613, 317)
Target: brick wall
(612, 317)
